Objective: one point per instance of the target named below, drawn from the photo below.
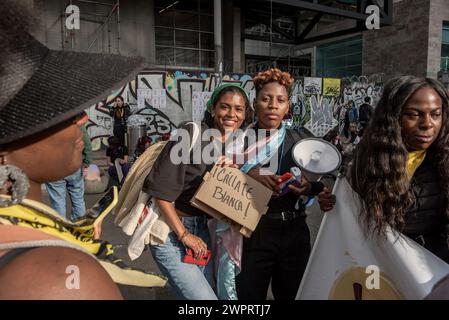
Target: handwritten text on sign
(235, 195)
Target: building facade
(254, 35)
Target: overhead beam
(260, 18)
(331, 35)
(361, 16)
(310, 26)
(267, 39)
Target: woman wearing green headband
(173, 186)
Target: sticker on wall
(199, 104)
(159, 98)
(331, 87)
(142, 95)
(156, 98)
(312, 85)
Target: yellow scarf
(38, 216)
(414, 160)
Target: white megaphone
(316, 157)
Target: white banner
(344, 264)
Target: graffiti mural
(179, 86)
(357, 88)
(318, 112)
(321, 114)
(353, 93)
(312, 111)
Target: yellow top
(414, 160)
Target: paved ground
(114, 235)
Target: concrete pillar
(439, 12)
(401, 48)
(228, 40)
(137, 28)
(151, 34)
(48, 27)
(237, 65)
(313, 62)
(218, 39)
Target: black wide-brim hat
(41, 88)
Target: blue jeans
(74, 184)
(189, 281)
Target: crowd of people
(399, 168)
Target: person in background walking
(74, 184)
(365, 113)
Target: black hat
(41, 88)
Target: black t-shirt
(177, 182)
(116, 153)
(365, 112)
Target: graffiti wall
(179, 89)
(310, 108)
(321, 107)
(355, 90)
(318, 106)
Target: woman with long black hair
(120, 113)
(401, 166)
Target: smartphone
(290, 178)
(189, 258)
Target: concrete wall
(439, 12)
(402, 47)
(136, 27)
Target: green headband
(219, 89)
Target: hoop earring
(19, 184)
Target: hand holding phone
(289, 178)
(189, 258)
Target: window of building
(296, 66)
(340, 59)
(184, 33)
(445, 47)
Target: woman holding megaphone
(279, 247)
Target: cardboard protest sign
(234, 197)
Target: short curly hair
(272, 75)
